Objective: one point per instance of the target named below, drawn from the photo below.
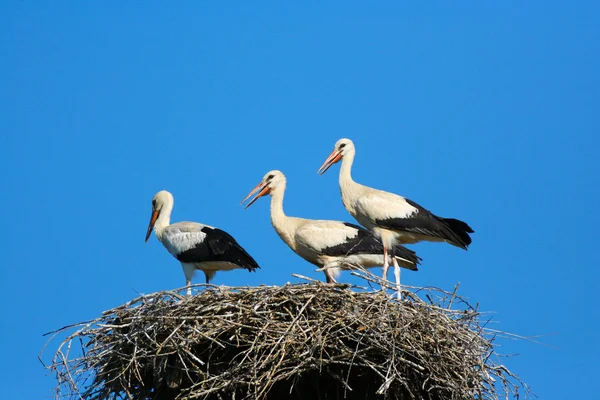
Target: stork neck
(284, 225)
(163, 220)
(277, 214)
(346, 169)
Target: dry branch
(301, 341)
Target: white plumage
(181, 236)
(392, 218)
(331, 245)
(195, 245)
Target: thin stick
(285, 341)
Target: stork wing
(397, 213)
(335, 238)
(185, 226)
(378, 205)
(183, 236)
(213, 244)
(319, 235)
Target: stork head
(341, 148)
(159, 201)
(271, 180)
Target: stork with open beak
(195, 245)
(394, 219)
(330, 245)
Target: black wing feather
(365, 242)
(426, 223)
(407, 254)
(218, 245)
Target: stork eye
(342, 145)
(153, 203)
(270, 177)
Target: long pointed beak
(334, 157)
(151, 224)
(264, 190)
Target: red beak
(334, 157)
(264, 190)
(153, 219)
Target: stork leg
(397, 275)
(330, 275)
(188, 271)
(386, 265)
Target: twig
(272, 342)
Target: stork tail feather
(460, 230)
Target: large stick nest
(301, 341)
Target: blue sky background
(483, 111)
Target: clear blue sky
(483, 111)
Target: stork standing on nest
(394, 219)
(195, 245)
(330, 245)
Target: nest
(300, 341)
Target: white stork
(392, 218)
(331, 245)
(195, 245)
